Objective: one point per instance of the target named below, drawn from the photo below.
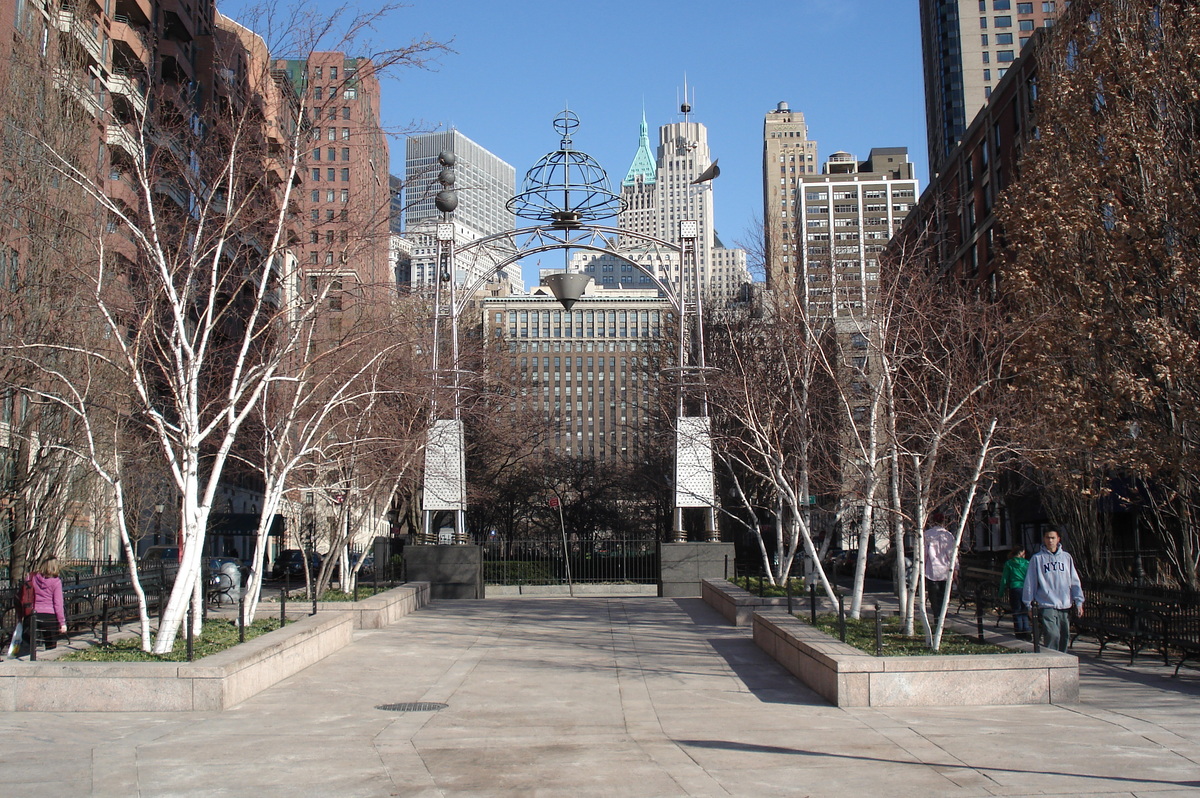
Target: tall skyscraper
(788, 155)
(967, 46)
(659, 192)
(484, 184)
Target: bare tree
(764, 401)
(191, 299)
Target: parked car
(368, 563)
(290, 562)
(156, 554)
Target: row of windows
(1048, 6)
(331, 195)
(583, 346)
(331, 154)
(314, 258)
(872, 193)
(579, 362)
(577, 316)
(1006, 22)
(580, 332)
(332, 114)
(348, 92)
(331, 134)
(318, 73)
(343, 215)
(331, 174)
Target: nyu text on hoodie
(1052, 580)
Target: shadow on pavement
(729, 745)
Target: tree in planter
(326, 407)
(1102, 229)
(764, 400)
(191, 297)
(948, 365)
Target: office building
(658, 193)
(346, 199)
(967, 47)
(826, 229)
(590, 372)
(484, 184)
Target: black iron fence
(542, 561)
(91, 601)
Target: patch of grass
(364, 591)
(217, 635)
(768, 590)
(861, 634)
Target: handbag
(26, 599)
(15, 645)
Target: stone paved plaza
(622, 696)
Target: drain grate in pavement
(412, 706)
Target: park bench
(1183, 634)
(1137, 623)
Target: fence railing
(91, 601)
(541, 561)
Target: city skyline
(515, 68)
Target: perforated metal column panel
(694, 463)
(445, 468)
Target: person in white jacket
(1053, 583)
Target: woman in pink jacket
(48, 601)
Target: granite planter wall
(376, 611)
(738, 605)
(213, 683)
(848, 677)
(683, 566)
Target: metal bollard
(788, 588)
(241, 617)
(842, 617)
(1035, 615)
(979, 619)
(31, 632)
(282, 606)
(812, 602)
(104, 622)
(187, 618)
(726, 566)
(878, 633)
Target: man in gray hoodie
(1053, 583)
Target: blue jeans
(1056, 628)
(1020, 610)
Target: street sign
(554, 501)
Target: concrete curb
(735, 604)
(848, 677)
(377, 611)
(210, 684)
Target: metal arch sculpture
(568, 192)
(533, 240)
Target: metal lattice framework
(568, 192)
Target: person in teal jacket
(1012, 580)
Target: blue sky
(852, 66)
